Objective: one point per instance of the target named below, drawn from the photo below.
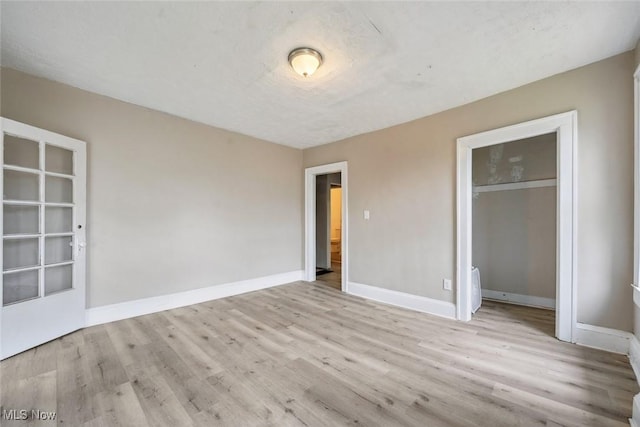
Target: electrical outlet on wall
(446, 284)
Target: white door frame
(565, 126)
(310, 220)
(636, 222)
(636, 186)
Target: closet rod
(516, 185)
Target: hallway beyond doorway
(332, 278)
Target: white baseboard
(634, 356)
(519, 299)
(128, 309)
(404, 300)
(635, 412)
(634, 359)
(636, 296)
(601, 338)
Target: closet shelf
(516, 185)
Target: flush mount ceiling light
(305, 61)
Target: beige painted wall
(405, 175)
(514, 241)
(514, 232)
(173, 205)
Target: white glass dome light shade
(305, 61)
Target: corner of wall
(126, 310)
(612, 340)
(404, 300)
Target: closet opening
(563, 128)
(514, 215)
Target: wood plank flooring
(307, 355)
(333, 279)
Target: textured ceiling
(225, 64)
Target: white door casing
(636, 190)
(44, 297)
(310, 220)
(565, 126)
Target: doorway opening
(514, 229)
(329, 229)
(564, 126)
(326, 225)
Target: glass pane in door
(21, 186)
(57, 279)
(20, 253)
(19, 286)
(21, 152)
(58, 219)
(18, 219)
(58, 190)
(58, 160)
(57, 249)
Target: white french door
(43, 236)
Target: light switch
(366, 214)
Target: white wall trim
(565, 126)
(634, 359)
(128, 309)
(607, 339)
(635, 421)
(519, 298)
(310, 219)
(636, 295)
(636, 181)
(634, 348)
(634, 356)
(404, 300)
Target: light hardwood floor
(306, 354)
(333, 279)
